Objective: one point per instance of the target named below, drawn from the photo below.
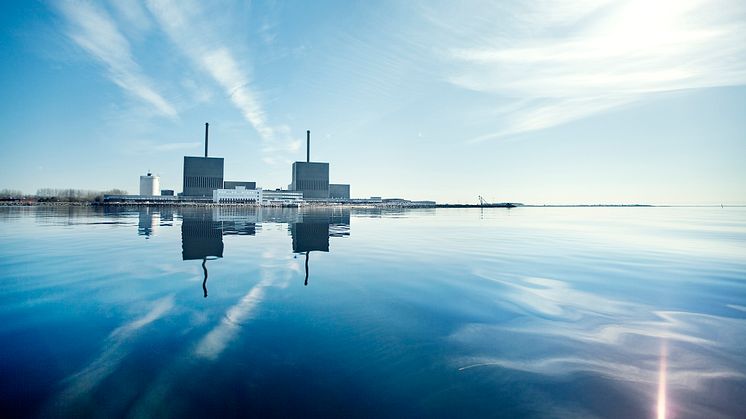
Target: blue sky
(537, 102)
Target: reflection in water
(624, 341)
(305, 282)
(115, 348)
(201, 239)
(312, 232)
(147, 222)
(202, 231)
(662, 383)
(201, 236)
(460, 314)
(204, 281)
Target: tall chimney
(206, 127)
(308, 146)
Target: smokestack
(308, 146)
(206, 127)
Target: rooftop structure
(233, 184)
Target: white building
(150, 185)
(280, 197)
(238, 195)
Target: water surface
(527, 312)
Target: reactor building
(202, 175)
(312, 179)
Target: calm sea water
(528, 312)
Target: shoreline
(317, 205)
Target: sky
(543, 102)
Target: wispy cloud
(184, 23)
(93, 29)
(573, 59)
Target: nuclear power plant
(204, 181)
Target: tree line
(59, 195)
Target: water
(528, 312)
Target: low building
(167, 192)
(339, 191)
(282, 197)
(238, 195)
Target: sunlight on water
(662, 384)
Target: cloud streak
(184, 24)
(93, 29)
(572, 60)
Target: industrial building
(202, 175)
(256, 196)
(339, 191)
(237, 195)
(312, 179)
(281, 197)
(203, 181)
(150, 185)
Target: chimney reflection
(201, 239)
(313, 230)
(202, 229)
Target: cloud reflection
(115, 348)
(562, 331)
(215, 342)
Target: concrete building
(167, 192)
(233, 184)
(238, 195)
(312, 179)
(150, 185)
(339, 191)
(202, 175)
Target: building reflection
(148, 220)
(312, 231)
(202, 229)
(201, 239)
